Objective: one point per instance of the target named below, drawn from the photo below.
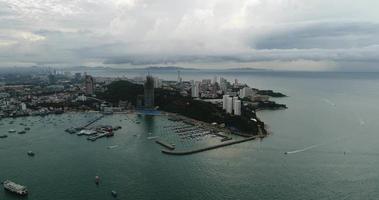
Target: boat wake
(112, 147)
(316, 145)
(328, 101)
(305, 149)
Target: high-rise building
(88, 85)
(157, 82)
(179, 80)
(246, 92)
(224, 101)
(229, 105)
(237, 107)
(149, 92)
(214, 80)
(195, 89)
(223, 84)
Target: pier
(97, 136)
(164, 144)
(91, 122)
(180, 153)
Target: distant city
(53, 91)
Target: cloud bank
(284, 34)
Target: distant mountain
(151, 68)
(247, 69)
(169, 68)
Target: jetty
(91, 122)
(97, 136)
(164, 144)
(180, 153)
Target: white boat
(15, 188)
(87, 132)
(11, 131)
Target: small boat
(3, 136)
(15, 188)
(112, 147)
(11, 131)
(27, 129)
(21, 132)
(31, 153)
(152, 137)
(114, 193)
(97, 180)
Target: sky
(275, 34)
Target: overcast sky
(280, 34)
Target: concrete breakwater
(179, 153)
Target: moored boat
(15, 188)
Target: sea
(324, 146)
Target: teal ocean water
(330, 132)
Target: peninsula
(227, 105)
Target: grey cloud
(146, 32)
(331, 35)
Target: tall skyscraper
(88, 85)
(195, 89)
(157, 82)
(224, 101)
(149, 92)
(237, 107)
(214, 80)
(229, 105)
(179, 77)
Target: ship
(15, 188)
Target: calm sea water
(330, 130)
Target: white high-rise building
(23, 106)
(246, 92)
(229, 105)
(237, 107)
(224, 101)
(157, 82)
(195, 89)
